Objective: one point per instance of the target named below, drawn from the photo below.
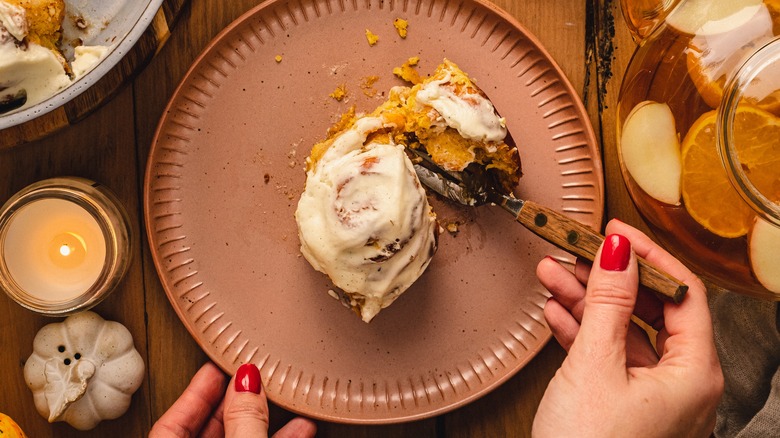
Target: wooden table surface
(586, 37)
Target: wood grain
(111, 145)
(613, 48)
(101, 148)
(583, 241)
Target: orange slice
(757, 135)
(707, 192)
(710, 59)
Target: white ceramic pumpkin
(83, 370)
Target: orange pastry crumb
(367, 85)
(339, 93)
(371, 37)
(401, 25)
(407, 71)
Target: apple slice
(650, 148)
(763, 248)
(708, 17)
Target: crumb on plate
(401, 25)
(452, 227)
(339, 93)
(407, 71)
(367, 85)
(278, 58)
(371, 37)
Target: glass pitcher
(699, 135)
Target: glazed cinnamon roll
(363, 218)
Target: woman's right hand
(614, 382)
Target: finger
(215, 426)
(563, 286)
(648, 307)
(609, 303)
(562, 324)
(639, 349)
(645, 247)
(297, 428)
(582, 270)
(690, 320)
(246, 407)
(564, 311)
(190, 412)
(688, 326)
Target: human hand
(206, 409)
(613, 382)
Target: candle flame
(67, 250)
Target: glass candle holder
(65, 244)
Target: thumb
(246, 407)
(609, 302)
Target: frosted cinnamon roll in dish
(32, 65)
(363, 218)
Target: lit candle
(64, 244)
(54, 249)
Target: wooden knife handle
(583, 241)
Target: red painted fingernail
(248, 379)
(616, 253)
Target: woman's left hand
(208, 409)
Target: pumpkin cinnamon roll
(363, 218)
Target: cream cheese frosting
(12, 20)
(472, 115)
(29, 72)
(86, 58)
(364, 219)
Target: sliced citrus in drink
(757, 143)
(712, 17)
(712, 57)
(707, 192)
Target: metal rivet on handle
(540, 220)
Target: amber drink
(699, 137)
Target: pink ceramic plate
(227, 167)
